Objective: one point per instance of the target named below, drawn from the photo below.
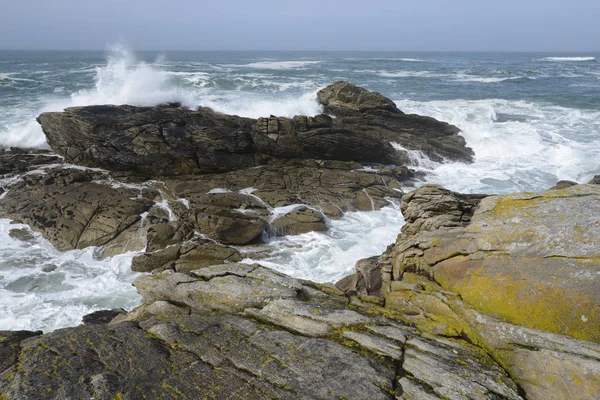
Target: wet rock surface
(16, 160)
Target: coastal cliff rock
(79, 207)
(171, 140)
(528, 258)
(516, 274)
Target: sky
(406, 25)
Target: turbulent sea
(531, 118)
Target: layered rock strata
(517, 274)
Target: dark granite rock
(102, 316)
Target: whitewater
(531, 119)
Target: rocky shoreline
(480, 297)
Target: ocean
(531, 118)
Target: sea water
(531, 118)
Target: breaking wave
(568, 59)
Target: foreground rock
(239, 331)
(529, 258)
(170, 140)
(517, 274)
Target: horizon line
(311, 51)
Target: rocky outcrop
(234, 330)
(516, 274)
(72, 211)
(528, 258)
(171, 140)
(77, 207)
(357, 109)
(150, 141)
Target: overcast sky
(454, 25)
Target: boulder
(300, 220)
(229, 226)
(343, 98)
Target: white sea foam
(329, 256)
(10, 76)
(277, 65)
(480, 79)
(568, 59)
(43, 288)
(516, 154)
(253, 106)
(417, 159)
(124, 80)
(403, 74)
(405, 59)
(198, 79)
(218, 191)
